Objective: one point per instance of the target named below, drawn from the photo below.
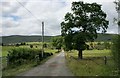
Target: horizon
(54, 35)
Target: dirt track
(53, 67)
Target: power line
(28, 11)
(38, 21)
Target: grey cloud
(109, 8)
(52, 13)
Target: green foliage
(92, 65)
(5, 50)
(82, 25)
(2, 44)
(31, 46)
(119, 23)
(68, 42)
(116, 51)
(27, 39)
(19, 56)
(17, 45)
(79, 41)
(57, 42)
(23, 43)
(21, 39)
(107, 45)
(99, 46)
(45, 45)
(116, 41)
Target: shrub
(107, 45)
(17, 56)
(31, 46)
(116, 51)
(17, 45)
(2, 44)
(23, 43)
(99, 46)
(45, 45)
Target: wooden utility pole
(42, 39)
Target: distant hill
(105, 37)
(19, 39)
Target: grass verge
(91, 65)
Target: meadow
(93, 63)
(5, 49)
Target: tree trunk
(80, 54)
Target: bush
(45, 45)
(17, 45)
(31, 46)
(107, 45)
(22, 55)
(116, 51)
(19, 56)
(23, 43)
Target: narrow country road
(53, 67)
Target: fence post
(105, 60)
(7, 59)
(37, 58)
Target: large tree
(82, 24)
(116, 40)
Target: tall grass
(93, 64)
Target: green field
(92, 53)
(93, 63)
(5, 49)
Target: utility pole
(42, 39)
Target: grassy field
(92, 53)
(93, 63)
(5, 49)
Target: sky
(16, 20)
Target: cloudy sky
(16, 20)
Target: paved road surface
(53, 67)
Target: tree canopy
(82, 24)
(57, 42)
(116, 41)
